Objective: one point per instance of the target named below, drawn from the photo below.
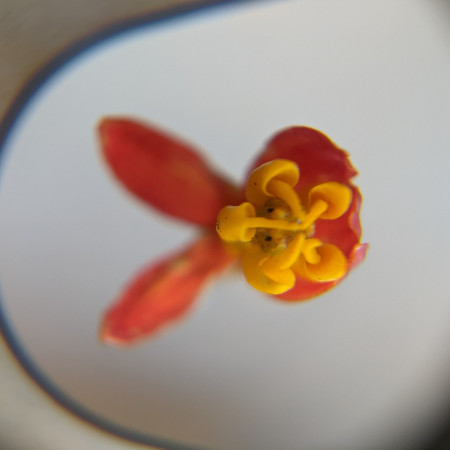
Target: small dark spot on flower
(268, 238)
(269, 210)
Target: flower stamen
(276, 233)
(286, 193)
(316, 210)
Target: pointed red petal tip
(164, 172)
(164, 292)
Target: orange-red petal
(164, 172)
(317, 157)
(164, 292)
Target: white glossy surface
(363, 366)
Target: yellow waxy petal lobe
(284, 191)
(285, 279)
(322, 263)
(310, 252)
(337, 196)
(257, 191)
(270, 283)
(231, 223)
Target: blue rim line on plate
(12, 114)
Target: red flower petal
(164, 291)
(164, 172)
(317, 157)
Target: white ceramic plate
(366, 365)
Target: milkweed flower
(294, 227)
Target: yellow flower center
(275, 231)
